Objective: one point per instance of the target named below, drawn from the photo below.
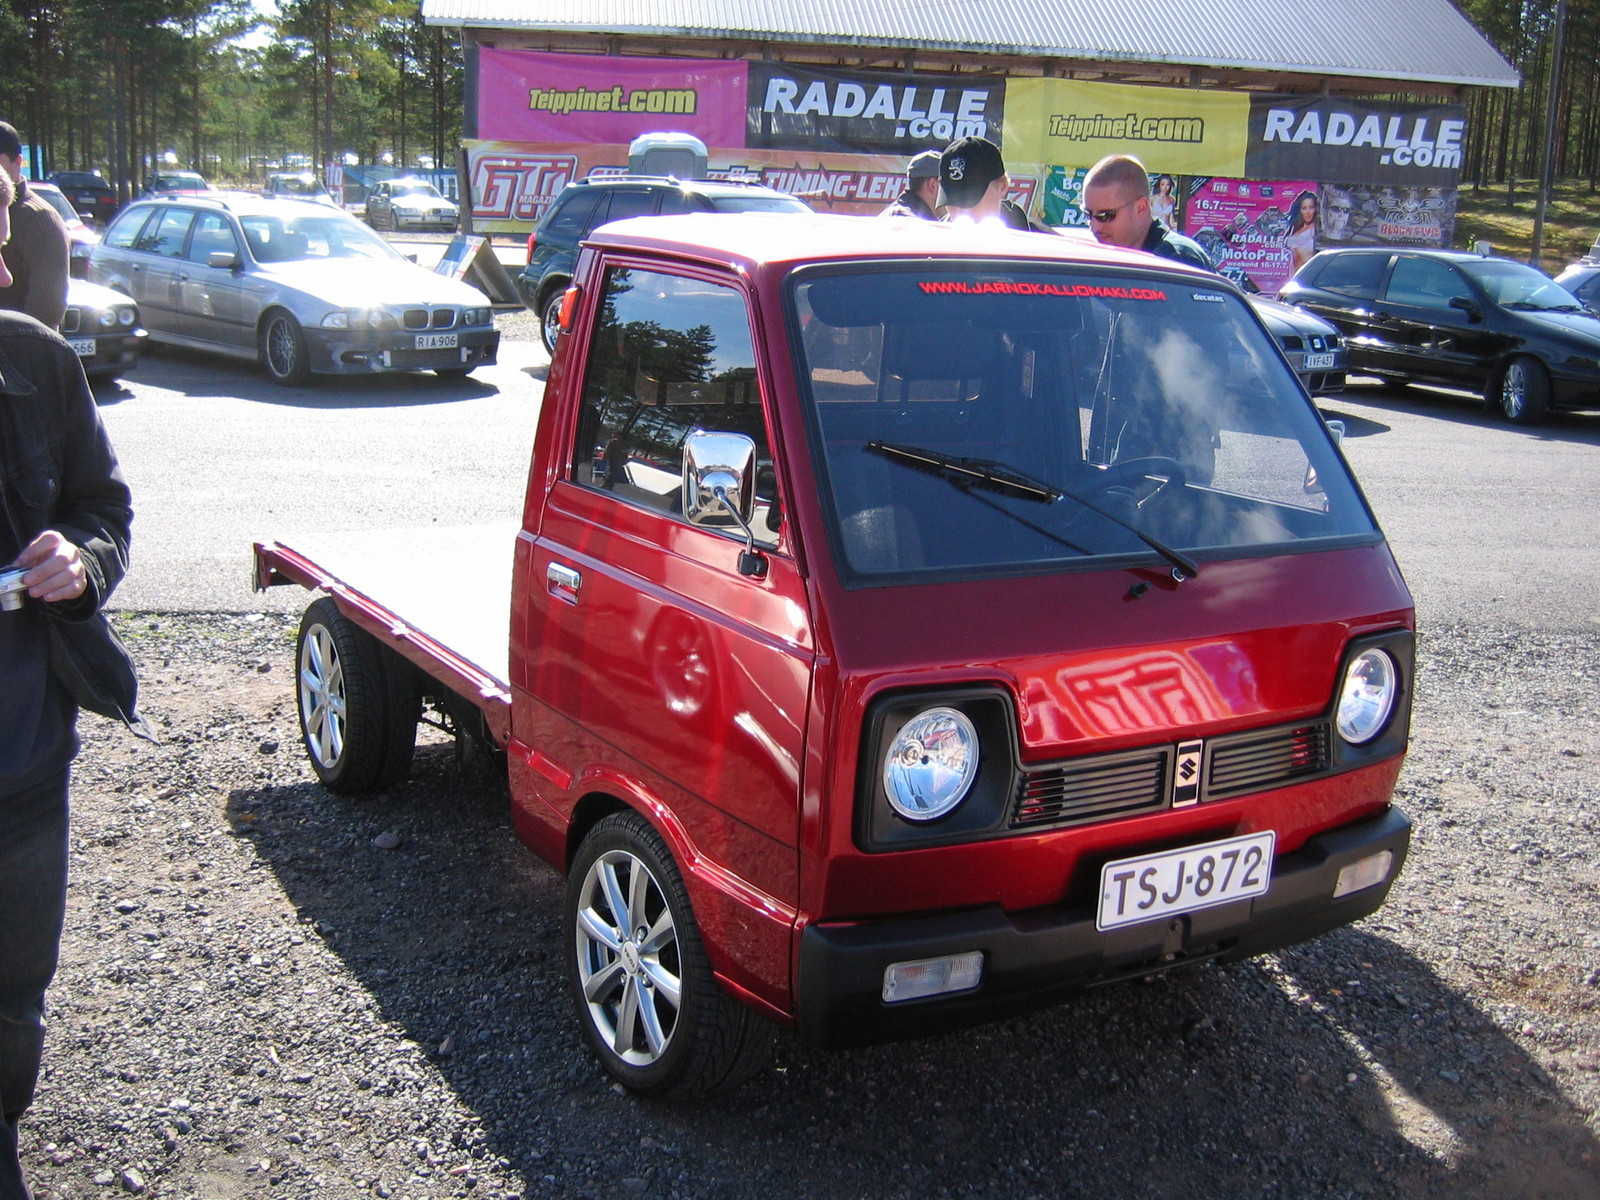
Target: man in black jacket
(1116, 198)
(64, 517)
(921, 196)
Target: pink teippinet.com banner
(529, 96)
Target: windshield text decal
(1007, 287)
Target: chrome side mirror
(719, 487)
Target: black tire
(1520, 391)
(641, 981)
(283, 350)
(550, 317)
(358, 703)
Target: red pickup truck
(908, 624)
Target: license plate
(1154, 886)
(1319, 362)
(82, 347)
(436, 341)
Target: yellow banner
(1175, 131)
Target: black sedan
(90, 192)
(1458, 320)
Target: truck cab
(1035, 635)
(912, 623)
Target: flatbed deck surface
(451, 584)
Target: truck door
(654, 665)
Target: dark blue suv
(589, 203)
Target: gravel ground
(271, 991)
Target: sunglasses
(1104, 216)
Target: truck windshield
(1151, 419)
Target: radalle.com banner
(840, 138)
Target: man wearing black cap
(973, 182)
(922, 189)
(39, 254)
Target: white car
(397, 204)
(300, 287)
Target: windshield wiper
(1530, 306)
(968, 473)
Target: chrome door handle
(564, 581)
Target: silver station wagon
(297, 286)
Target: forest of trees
(117, 84)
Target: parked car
(177, 183)
(1582, 279)
(589, 203)
(300, 287)
(80, 238)
(1461, 320)
(398, 204)
(90, 192)
(102, 327)
(297, 185)
(1313, 347)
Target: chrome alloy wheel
(629, 964)
(1514, 390)
(322, 696)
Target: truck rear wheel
(640, 978)
(358, 703)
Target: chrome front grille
(72, 320)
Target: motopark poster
(840, 139)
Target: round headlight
(108, 318)
(1371, 684)
(127, 315)
(930, 764)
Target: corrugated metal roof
(1418, 40)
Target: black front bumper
(1037, 958)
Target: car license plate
(1154, 886)
(436, 341)
(82, 347)
(1318, 362)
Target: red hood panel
(1249, 642)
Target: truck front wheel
(640, 978)
(358, 703)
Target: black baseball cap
(10, 142)
(924, 166)
(966, 169)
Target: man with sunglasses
(1116, 198)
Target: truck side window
(670, 354)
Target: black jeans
(33, 902)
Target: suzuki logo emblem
(1186, 774)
